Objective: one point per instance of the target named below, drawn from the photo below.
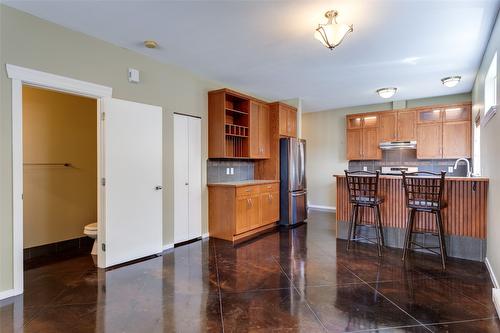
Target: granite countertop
(466, 179)
(244, 183)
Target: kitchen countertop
(465, 179)
(244, 183)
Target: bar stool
(424, 194)
(362, 187)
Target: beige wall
(34, 43)
(490, 150)
(58, 201)
(325, 135)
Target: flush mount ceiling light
(451, 81)
(332, 33)
(386, 92)
(150, 44)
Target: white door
(187, 178)
(132, 168)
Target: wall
(34, 43)
(490, 150)
(58, 201)
(325, 135)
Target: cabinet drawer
(247, 190)
(267, 188)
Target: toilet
(91, 231)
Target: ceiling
(267, 47)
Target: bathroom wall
(58, 201)
(216, 170)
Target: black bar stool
(424, 194)
(362, 187)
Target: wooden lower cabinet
(238, 212)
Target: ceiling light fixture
(332, 33)
(150, 44)
(451, 81)
(386, 92)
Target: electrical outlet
(232, 171)
(365, 168)
(228, 171)
(450, 169)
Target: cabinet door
(407, 126)
(254, 129)
(388, 128)
(371, 120)
(354, 122)
(429, 140)
(270, 207)
(242, 220)
(432, 115)
(457, 139)
(254, 213)
(354, 144)
(371, 149)
(283, 122)
(457, 113)
(264, 131)
(291, 123)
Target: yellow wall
(58, 201)
(326, 150)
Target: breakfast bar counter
(464, 218)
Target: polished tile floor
(301, 280)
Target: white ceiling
(267, 48)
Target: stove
(396, 170)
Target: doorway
(187, 178)
(60, 175)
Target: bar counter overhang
(464, 218)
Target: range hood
(390, 145)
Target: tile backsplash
(216, 170)
(409, 157)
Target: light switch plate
(228, 171)
(232, 171)
(450, 169)
(365, 168)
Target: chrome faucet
(469, 172)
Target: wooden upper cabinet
(388, 126)
(287, 120)
(457, 139)
(457, 113)
(259, 130)
(354, 122)
(407, 126)
(371, 120)
(429, 141)
(431, 115)
(354, 144)
(370, 143)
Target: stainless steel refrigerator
(293, 186)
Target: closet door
(194, 168)
(181, 178)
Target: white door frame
(20, 76)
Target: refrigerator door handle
(298, 193)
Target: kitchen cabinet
(429, 115)
(259, 130)
(429, 141)
(363, 137)
(370, 144)
(239, 211)
(407, 126)
(457, 113)
(287, 120)
(388, 126)
(354, 144)
(457, 139)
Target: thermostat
(133, 75)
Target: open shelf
(236, 111)
(236, 130)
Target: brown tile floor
(297, 280)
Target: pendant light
(332, 33)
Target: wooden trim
(236, 94)
(254, 232)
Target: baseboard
(9, 293)
(492, 274)
(323, 208)
(168, 246)
(205, 235)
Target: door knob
(186, 183)
(158, 187)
